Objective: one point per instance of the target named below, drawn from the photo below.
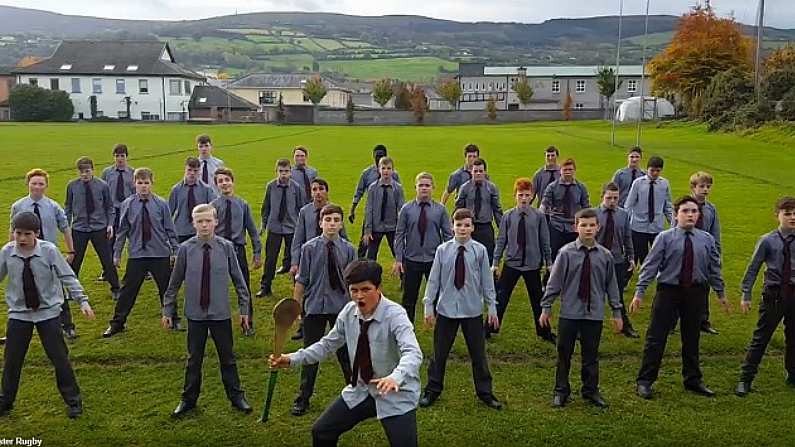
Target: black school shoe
(183, 408)
(74, 411)
(111, 331)
(300, 407)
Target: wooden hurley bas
(285, 312)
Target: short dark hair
(282, 163)
(203, 139)
(585, 213)
(224, 171)
(120, 149)
(144, 174)
(83, 163)
(379, 147)
(331, 209)
(635, 149)
(471, 148)
(552, 148)
(363, 270)
(609, 187)
(463, 213)
(321, 182)
(655, 162)
(193, 162)
(785, 203)
(685, 199)
(302, 149)
(479, 162)
(26, 221)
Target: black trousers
(104, 252)
(273, 243)
(182, 239)
(444, 334)
(375, 244)
(557, 239)
(18, 335)
(66, 315)
(622, 278)
(401, 431)
(314, 329)
(221, 332)
(642, 242)
(242, 261)
(772, 310)
(484, 233)
(412, 280)
(112, 240)
(670, 303)
(509, 277)
(160, 268)
(589, 333)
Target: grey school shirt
(304, 179)
(664, 261)
(112, 176)
(368, 176)
(624, 178)
(178, 204)
(554, 203)
(564, 281)
(394, 353)
(458, 178)
(271, 206)
(769, 251)
(53, 217)
(638, 208)
(536, 249)
(51, 274)
(478, 289)
(376, 195)
(319, 297)
(409, 245)
(212, 164)
(188, 268)
(490, 208)
(711, 223)
(163, 242)
(542, 178)
(307, 228)
(75, 206)
(242, 222)
(622, 248)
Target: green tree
(524, 92)
(383, 91)
(419, 102)
(349, 109)
(402, 96)
(491, 108)
(778, 83)
(727, 92)
(606, 80)
(788, 106)
(315, 89)
(32, 103)
(450, 90)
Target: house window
(187, 88)
(143, 86)
(109, 67)
(175, 116)
(34, 82)
(174, 87)
(145, 116)
(580, 87)
(579, 106)
(100, 114)
(96, 85)
(122, 114)
(121, 87)
(555, 86)
(268, 98)
(54, 84)
(75, 85)
(632, 86)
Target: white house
(125, 79)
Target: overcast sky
(779, 13)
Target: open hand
(385, 386)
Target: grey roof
(5, 71)
(91, 57)
(471, 68)
(279, 80)
(561, 71)
(206, 96)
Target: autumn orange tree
(703, 46)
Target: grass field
(415, 69)
(131, 383)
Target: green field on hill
(132, 382)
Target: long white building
(124, 79)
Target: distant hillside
(414, 46)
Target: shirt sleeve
(433, 283)
(123, 231)
(495, 204)
(613, 296)
(68, 204)
(651, 266)
(168, 225)
(172, 202)
(400, 233)
(461, 200)
(251, 227)
(629, 248)
(298, 236)
(410, 352)
(668, 208)
(752, 270)
(361, 187)
(304, 266)
(715, 231)
(548, 199)
(323, 348)
(107, 202)
(67, 277)
(555, 284)
(368, 210)
(715, 276)
(266, 208)
(175, 282)
(447, 230)
(546, 247)
(632, 197)
(502, 238)
(451, 186)
(60, 217)
(243, 295)
(487, 281)
(585, 200)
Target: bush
(778, 83)
(31, 103)
(728, 91)
(748, 116)
(788, 106)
